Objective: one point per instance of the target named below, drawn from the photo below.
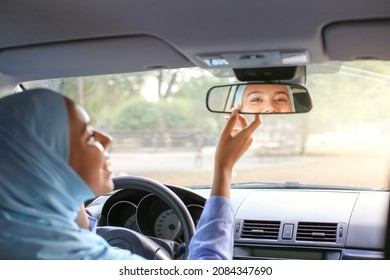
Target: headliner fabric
(40, 193)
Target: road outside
(321, 164)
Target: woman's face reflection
(262, 98)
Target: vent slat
(319, 232)
(260, 229)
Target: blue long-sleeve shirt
(213, 238)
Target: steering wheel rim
(164, 193)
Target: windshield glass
(162, 129)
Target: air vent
(319, 232)
(260, 229)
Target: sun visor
(91, 57)
(357, 40)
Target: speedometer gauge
(167, 225)
(131, 223)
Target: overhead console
(254, 59)
(292, 74)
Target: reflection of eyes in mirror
(265, 98)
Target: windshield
(162, 129)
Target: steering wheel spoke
(151, 247)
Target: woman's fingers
(249, 128)
(236, 123)
(231, 123)
(254, 124)
(242, 121)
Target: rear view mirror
(254, 98)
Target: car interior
(165, 74)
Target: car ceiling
(48, 39)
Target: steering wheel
(136, 242)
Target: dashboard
(270, 223)
(146, 213)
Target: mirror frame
(209, 92)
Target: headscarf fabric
(241, 89)
(40, 193)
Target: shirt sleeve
(92, 223)
(213, 238)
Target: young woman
(52, 160)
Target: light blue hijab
(40, 193)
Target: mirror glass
(259, 98)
